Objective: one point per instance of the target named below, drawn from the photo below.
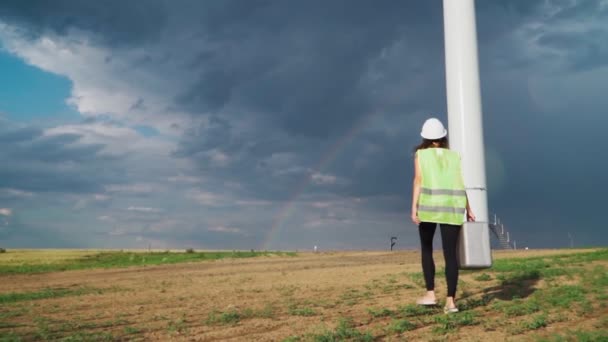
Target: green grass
(354, 296)
(74, 329)
(234, 316)
(70, 330)
(10, 337)
(537, 322)
(306, 311)
(418, 279)
(472, 303)
(131, 330)
(602, 323)
(75, 325)
(550, 273)
(268, 311)
(448, 323)
(400, 325)
(230, 317)
(412, 310)
(578, 335)
(543, 262)
(6, 325)
(292, 339)
(597, 278)
(177, 325)
(583, 257)
(384, 312)
(562, 296)
(515, 276)
(518, 307)
(345, 331)
(518, 277)
(88, 337)
(521, 265)
(15, 313)
(125, 259)
(287, 290)
(483, 277)
(513, 292)
(13, 297)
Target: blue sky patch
(28, 93)
(146, 131)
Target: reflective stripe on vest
(450, 210)
(442, 196)
(428, 191)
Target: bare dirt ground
(261, 299)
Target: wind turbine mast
(465, 125)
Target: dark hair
(426, 143)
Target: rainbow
(288, 206)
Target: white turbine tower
(465, 125)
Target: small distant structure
(501, 234)
(393, 241)
(315, 249)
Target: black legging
(449, 239)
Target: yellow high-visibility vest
(442, 196)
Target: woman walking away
(438, 197)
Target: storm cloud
(233, 121)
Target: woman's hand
(470, 215)
(415, 218)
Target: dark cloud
(302, 64)
(309, 77)
(547, 164)
(569, 33)
(580, 51)
(279, 89)
(497, 19)
(23, 235)
(507, 106)
(19, 135)
(111, 22)
(57, 163)
(568, 11)
(217, 133)
(57, 149)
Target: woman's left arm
(470, 215)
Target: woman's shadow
(519, 285)
(512, 286)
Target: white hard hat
(433, 129)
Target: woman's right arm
(416, 190)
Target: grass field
(40, 261)
(540, 295)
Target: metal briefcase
(474, 250)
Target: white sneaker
(426, 301)
(450, 310)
